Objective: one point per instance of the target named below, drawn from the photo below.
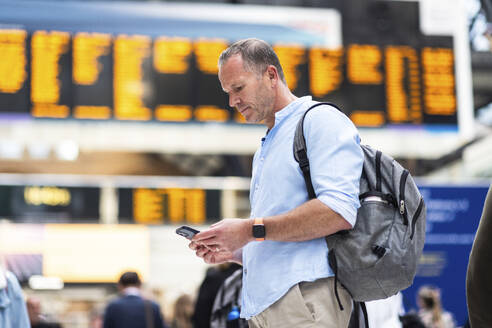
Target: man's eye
(238, 89)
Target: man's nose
(233, 101)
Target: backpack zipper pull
(402, 207)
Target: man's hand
(228, 235)
(214, 256)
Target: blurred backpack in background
(227, 304)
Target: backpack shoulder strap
(300, 151)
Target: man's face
(249, 92)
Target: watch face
(259, 231)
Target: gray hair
(257, 55)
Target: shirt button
(245, 271)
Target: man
(479, 273)
(131, 310)
(287, 281)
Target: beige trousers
(307, 304)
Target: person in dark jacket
(131, 310)
(479, 274)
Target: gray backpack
(228, 298)
(378, 257)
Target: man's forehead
(233, 63)
(232, 72)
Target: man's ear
(272, 74)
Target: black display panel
(49, 203)
(393, 73)
(92, 72)
(173, 67)
(211, 102)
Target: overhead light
(11, 149)
(38, 150)
(45, 283)
(67, 150)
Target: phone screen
(186, 232)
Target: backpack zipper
(416, 216)
(403, 181)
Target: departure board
(51, 74)
(384, 72)
(132, 80)
(168, 205)
(14, 96)
(325, 71)
(211, 100)
(293, 59)
(389, 64)
(172, 60)
(92, 76)
(46, 203)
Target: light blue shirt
(271, 268)
(13, 311)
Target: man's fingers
(193, 245)
(202, 251)
(204, 235)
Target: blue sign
(453, 215)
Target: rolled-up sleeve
(336, 160)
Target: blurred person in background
(214, 278)
(13, 311)
(96, 318)
(183, 312)
(287, 281)
(430, 309)
(130, 309)
(479, 273)
(37, 319)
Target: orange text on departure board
(87, 48)
(364, 64)
(12, 60)
(325, 70)
(130, 52)
(172, 55)
(176, 205)
(46, 50)
(291, 57)
(438, 81)
(207, 52)
(403, 95)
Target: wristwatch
(259, 231)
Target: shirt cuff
(347, 211)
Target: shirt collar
(290, 108)
(134, 291)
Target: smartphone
(186, 232)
